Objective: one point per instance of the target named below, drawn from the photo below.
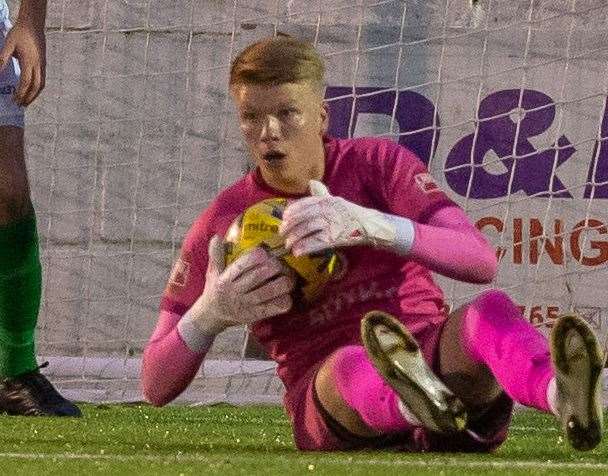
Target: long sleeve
(444, 239)
(449, 244)
(169, 365)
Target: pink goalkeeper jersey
(373, 173)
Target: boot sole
(405, 370)
(588, 406)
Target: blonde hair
(278, 60)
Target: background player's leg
(15, 201)
(487, 346)
(20, 274)
(23, 389)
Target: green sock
(20, 289)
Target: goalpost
(135, 134)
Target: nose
(271, 129)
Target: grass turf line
(221, 439)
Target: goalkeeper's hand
(252, 288)
(322, 221)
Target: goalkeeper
(23, 389)
(375, 362)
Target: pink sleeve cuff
(169, 364)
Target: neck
(295, 186)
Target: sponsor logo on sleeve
(426, 183)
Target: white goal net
(135, 134)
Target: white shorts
(10, 113)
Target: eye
(247, 116)
(288, 112)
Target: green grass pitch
(224, 440)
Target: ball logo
(261, 226)
(426, 183)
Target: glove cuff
(404, 233)
(197, 339)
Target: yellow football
(258, 225)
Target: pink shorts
(315, 430)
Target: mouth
(273, 156)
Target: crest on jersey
(426, 183)
(180, 272)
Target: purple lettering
(414, 115)
(532, 171)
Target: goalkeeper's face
(283, 126)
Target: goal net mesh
(135, 134)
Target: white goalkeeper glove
(252, 288)
(322, 221)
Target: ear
(324, 118)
